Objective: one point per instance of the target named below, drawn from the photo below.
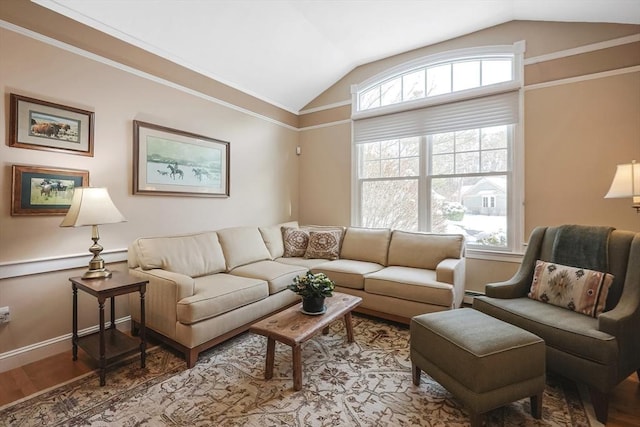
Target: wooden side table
(108, 344)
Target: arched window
(437, 146)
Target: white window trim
(517, 240)
(517, 50)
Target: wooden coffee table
(292, 327)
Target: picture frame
(43, 125)
(37, 190)
(172, 162)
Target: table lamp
(626, 183)
(92, 206)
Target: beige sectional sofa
(206, 287)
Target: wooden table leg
(297, 367)
(74, 339)
(349, 326)
(271, 348)
(142, 331)
(103, 361)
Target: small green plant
(312, 285)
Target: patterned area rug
(366, 383)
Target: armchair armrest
(452, 271)
(164, 290)
(623, 320)
(518, 286)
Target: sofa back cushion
(192, 255)
(272, 237)
(242, 245)
(366, 244)
(422, 250)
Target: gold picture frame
(171, 162)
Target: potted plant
(313, 288)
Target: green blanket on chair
(582, 246)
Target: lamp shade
(91, 206)
(626, 182)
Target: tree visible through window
(447, 166)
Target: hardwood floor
(624, 407)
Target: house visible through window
(435, 145)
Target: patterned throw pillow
(578, 289)
(324, 244)
(295, 241)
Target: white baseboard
(38, 351)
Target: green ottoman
(484, 362)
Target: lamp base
(102, 273)
(96, 265)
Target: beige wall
(264, 176)
(542, 38)
(575, 135)
(325, 165)
(576, 132)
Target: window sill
(494, 255)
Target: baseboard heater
(470, 295)
(473, 294)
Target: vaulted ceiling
(287, 52)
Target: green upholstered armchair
(599, 352)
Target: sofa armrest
(164, 290)
(448, 268)
(452, 271)
(179, 285)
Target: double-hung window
(437, 147)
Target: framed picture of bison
(42, 125)
(171, 162)
(39, 190)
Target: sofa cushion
(307, 263)
(366, 244)
(413, 284)
(563, 330)
(242, 245)
(272, 237)
(347, 273)
(295, 241)
(219, 293)
(324, 244)
(423, 250)
(578, 289)
(277, 274)
(192, 255)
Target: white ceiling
(287, 52)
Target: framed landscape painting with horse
(171, 162)
(43, 125)
(44, 191)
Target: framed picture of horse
(39, 190)
(171, 162)
(43, 125)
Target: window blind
(473, 113)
